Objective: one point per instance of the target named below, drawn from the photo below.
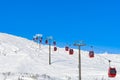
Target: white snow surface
(22, 59)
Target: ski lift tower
(79, 44)
(49, 41)
(39, 37)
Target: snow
(22, 59)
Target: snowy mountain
(22, 59)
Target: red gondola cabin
(71, 51)
(55, 48)
(112, 72)
(46, 41)
(91, 54)
(54, 43)
(66, 48)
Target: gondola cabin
(36, 38)
(66, 48)
(112, 72)
(91, 54)
(71, 51)
(41, 40)
(55, 48)
(46, 41)
(54, 43)
(33, 39)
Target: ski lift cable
(103, 56)
(87, 46)
(108, 59)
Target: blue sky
(97, 22)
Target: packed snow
(23, 59)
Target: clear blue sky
(95, 21)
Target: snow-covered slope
(21, 59)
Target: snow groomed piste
(22, 59)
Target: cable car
(33, 39)
(112, 72)
(54, 43)
(46, 41)
(71, 51)
(55, 48)
(36, 38)
(66, 48)
(91, 54)
(41, 40)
